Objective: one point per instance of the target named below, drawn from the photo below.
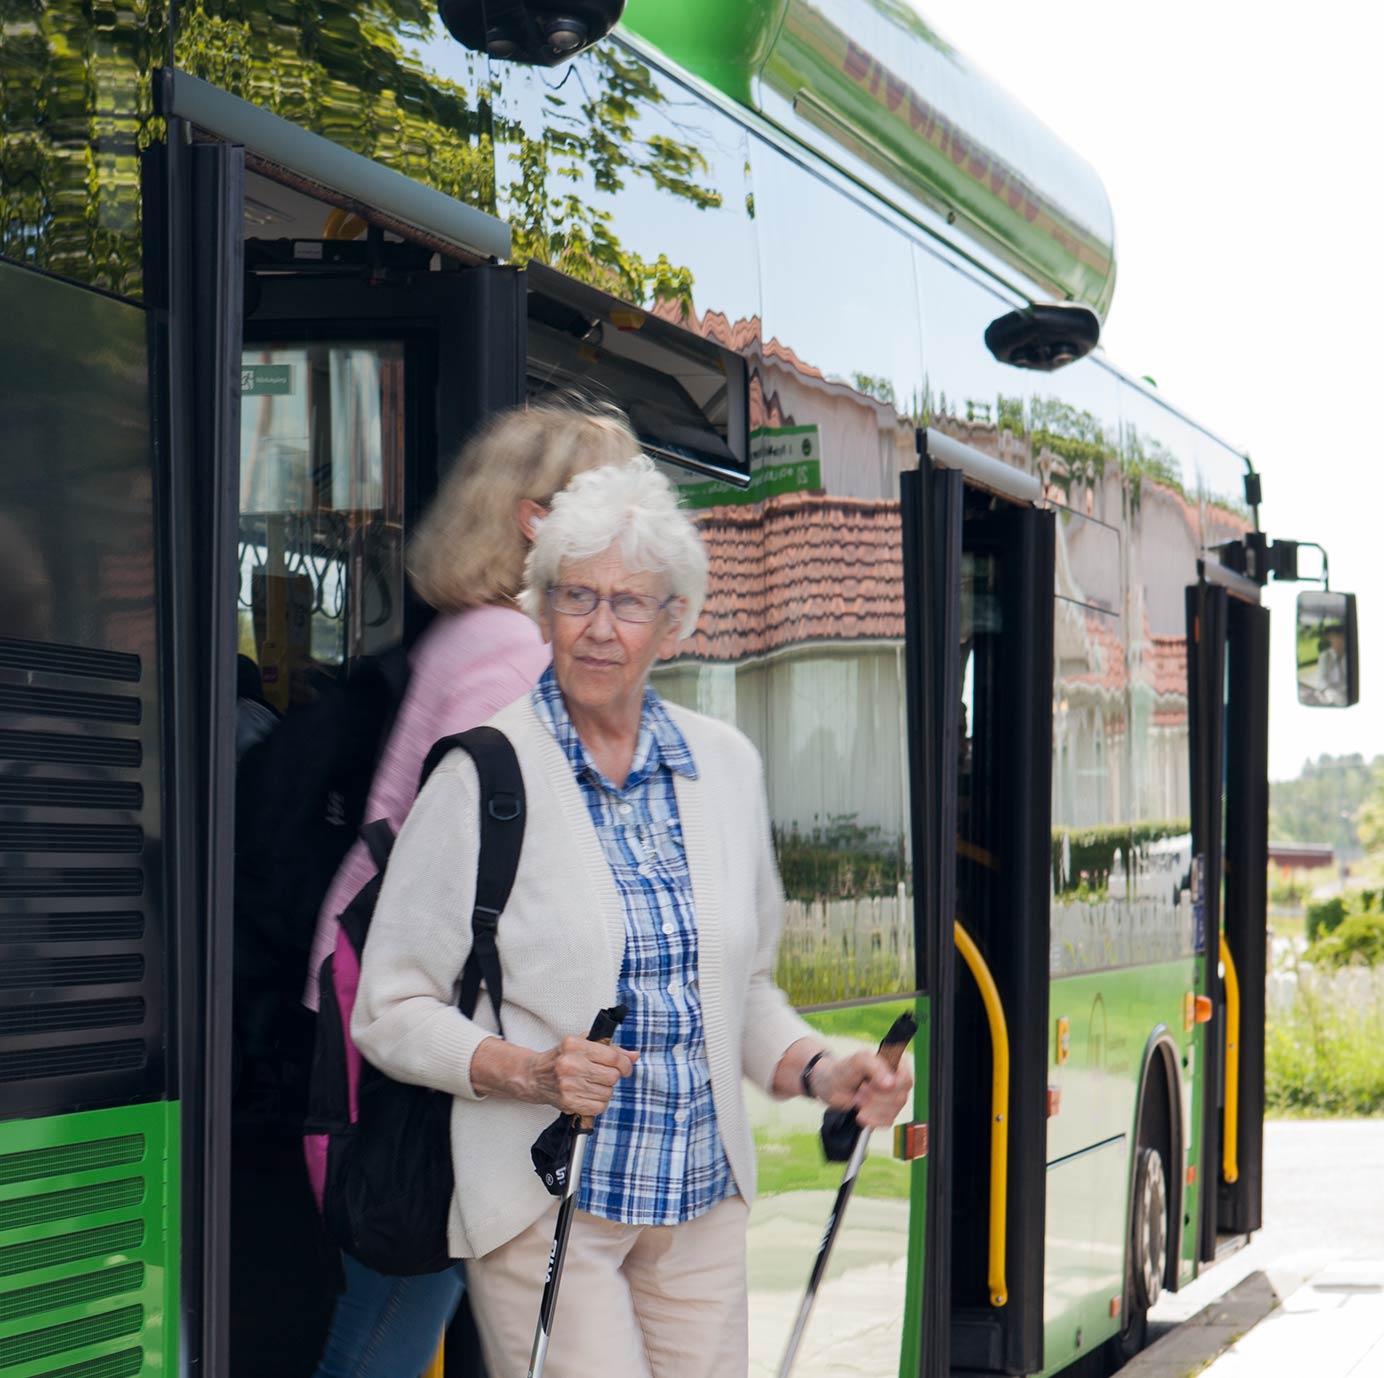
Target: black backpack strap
(379, 841)
(502, 839)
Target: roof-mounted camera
(539, 33)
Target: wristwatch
(806, 1077)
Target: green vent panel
(126, 1364)
(54, 1339)
(69, 1158)
(53, 1296)
(89, 1267)
(71, 1248)
(63, 1205)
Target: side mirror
(1328, 650)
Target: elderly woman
(647, 878)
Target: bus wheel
(1149, 1244)
(1148, 1257)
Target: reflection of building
(866, 440)
(801, 645)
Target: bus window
(321, 507)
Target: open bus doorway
(367, 359)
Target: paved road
(1314, 1274)
(1323, 1204)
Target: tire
(1148, 1257)
(1149, 1229)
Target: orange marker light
(1054, 1101)
(1064, 1040)
(1203, 1009)
(910, 1141)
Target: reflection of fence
(1117, 933)
(843, 949)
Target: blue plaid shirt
(655, 1157)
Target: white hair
(633, 506)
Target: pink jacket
(464, 669)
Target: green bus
(987, 605)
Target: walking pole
(844, 1137)
(579, 1128)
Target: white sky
(1241, 148)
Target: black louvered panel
(66, 748)
(127, 1055)
(52, 972)
(24, 701)
(114, 926)
(75, 882)
(83, 855)
(45, 657)
(86, 1015)
(80, 960)
(40, 792)
(70, 837)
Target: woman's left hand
(864, 1082)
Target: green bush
(1323, 1059)
(1357, 941)
(1090, 852)
(1324, 917)
(838, 859)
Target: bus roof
(873, 79)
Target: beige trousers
(636, 1301)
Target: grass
(1322, 1059)
(867, 1023)
(793, 1161)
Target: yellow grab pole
(435, 1368)
(1230, 1166)
(999, 1111)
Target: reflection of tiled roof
(800, 568)
(1163, 667)
(1167, 656)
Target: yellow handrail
(1230, 1166)
(999, 1111)
(434, 1368)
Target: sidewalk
(1277, 1324)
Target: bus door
(989, 563)
(1228, 643)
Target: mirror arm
(1326, 563)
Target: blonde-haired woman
(478, 655)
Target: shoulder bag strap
(502, 838)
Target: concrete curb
(1191, 1346)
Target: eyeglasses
(573, 600)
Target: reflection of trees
(350, 70)
(598, 141)
(76, 111)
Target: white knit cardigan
(561, 940)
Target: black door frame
(193, 206)
(1207, 614)
(933, 507)
(1240, 1204)
(1228, 676)
(931, 512)
(1012, 931)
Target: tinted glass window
(78, 111)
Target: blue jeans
(387, 1327)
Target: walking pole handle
(898, 1038)
(602, 1031)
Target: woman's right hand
(578, 1077)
